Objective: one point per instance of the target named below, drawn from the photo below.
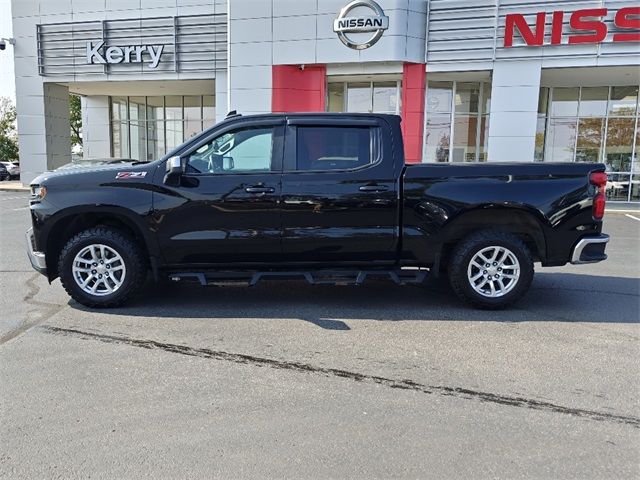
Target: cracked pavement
(288, 380)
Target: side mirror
(175, 169)
(228, 164)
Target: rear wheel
(101, 267)
(491, 269)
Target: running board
(320, 277)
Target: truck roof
(234, 115)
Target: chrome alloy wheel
(493, 271)
(98, 270)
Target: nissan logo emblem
(376, 24)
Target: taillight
(599, 180)
(598, 206)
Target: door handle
(259, 189)
(374, 188)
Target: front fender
(52, 229)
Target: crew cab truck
(324, 196)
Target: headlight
(38, 192)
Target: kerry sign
(99, 54)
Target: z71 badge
(126, 175)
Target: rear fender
(520, 220)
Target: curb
(14, 189)
(13, 186)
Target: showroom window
(365, 97)
(146, 128)
(457, 121)
(593, 124)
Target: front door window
(242, 151)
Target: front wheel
(491, 269)
(101, 267)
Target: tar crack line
(461, 393)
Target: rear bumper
(37, 259)
(590, 249)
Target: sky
(7, 83)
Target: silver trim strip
(582, 244)
(37, 258)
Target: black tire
(127, 248)
(465, 252)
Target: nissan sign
(96, 53)
(345, 24)
(587, 26)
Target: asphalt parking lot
(291, 381)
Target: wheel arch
(526, 224)
(74, 220)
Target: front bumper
(37, 259)
(590, 249)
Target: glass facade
(365, 97)
(457, 121)
(146, 128)
(593, 124)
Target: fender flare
(513, 217)
(134, 221)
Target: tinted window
(333, 148)
(241, 151)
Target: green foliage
(75, 118)
(8, 133)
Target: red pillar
(299, 89)
(414, 83)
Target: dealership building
(474, 81)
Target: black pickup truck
(326, 197)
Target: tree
(75, 118)
(8, 134)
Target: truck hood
(96, 175)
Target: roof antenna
(233, 113)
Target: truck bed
(554, 199)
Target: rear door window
(333, 148)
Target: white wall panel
(250, 9)
(222, 96)
(289, 8)
(514, 106)
(303, 28)
(25, 8)
(244, 54)
(294, 52)
(96, 128)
